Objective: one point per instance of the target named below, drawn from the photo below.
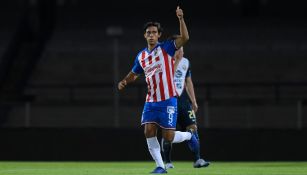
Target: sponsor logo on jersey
(179, 85)
(178, 74)
(152, 70)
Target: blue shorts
(163, 113)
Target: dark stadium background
(59, 60)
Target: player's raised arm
(131, 77)
(184, 34)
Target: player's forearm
(190, 90)
(128, 79)
(176, 63)
(184, 34)
(131, 77)
(183, 31)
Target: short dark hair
(155, 24)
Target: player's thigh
(150, 130)
(186, 116)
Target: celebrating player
(160, 110)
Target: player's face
(152, 35)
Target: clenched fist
(122, 84)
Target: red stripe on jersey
(149, 60)
(154, 87)
(168, 74)
(147, 79)
(149, 89)
(142, 59)
(161, 86)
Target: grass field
(140, 168)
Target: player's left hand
(122, 84)
(179, 12)
(194, 107)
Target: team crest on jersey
(155, 52)
(178, 74)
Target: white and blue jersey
(182, 72)
(185, 115)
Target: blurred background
(60, 61)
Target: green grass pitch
(141, 168)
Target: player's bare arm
(131, 77)
(177, 60)
(190, 90)
(184, 34)
(178, 56)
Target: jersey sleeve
(170, 47)
(137, 68)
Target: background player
(187, 106)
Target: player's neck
(151, 46)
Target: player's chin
(151, 41)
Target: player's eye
(151, 32)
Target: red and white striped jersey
(158, 67)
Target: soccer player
(187, 106)
(160, 110)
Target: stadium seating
(248, 73)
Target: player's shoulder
(185, 60)
(140, 52)
(167, 42)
